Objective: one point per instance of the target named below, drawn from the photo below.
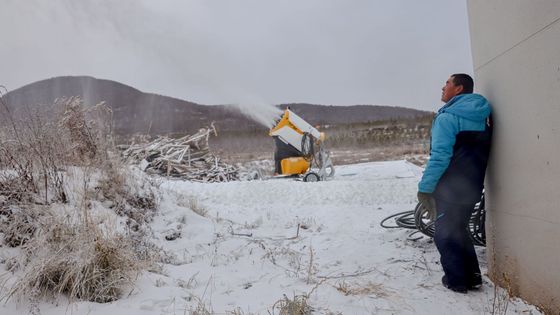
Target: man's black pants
(458, 257)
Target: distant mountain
(138, 112)
(337, 115)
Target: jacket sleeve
(444, 132)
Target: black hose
(414, 219)
(307, 149)
(406, 221)
(403, 219)
(477, 227)
(421, 214)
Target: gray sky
(339, 52)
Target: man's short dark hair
(465, 80)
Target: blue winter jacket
(460, 146)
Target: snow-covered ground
(246, 252)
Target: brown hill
(139, 112)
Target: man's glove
(427, 201)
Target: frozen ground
(245, 252)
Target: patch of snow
(246, 244)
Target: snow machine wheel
(311, 177)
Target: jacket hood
(471, 106)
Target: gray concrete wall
(516, 52)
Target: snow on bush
(78, 258)
(62, 197)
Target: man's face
(449, 90)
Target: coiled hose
(422, 221)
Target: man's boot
(458, 289)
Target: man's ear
(459, 89)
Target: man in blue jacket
(453, 179)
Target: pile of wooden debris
(187, 157)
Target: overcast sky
(339, 52)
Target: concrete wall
(516, 52)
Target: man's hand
(427, 201)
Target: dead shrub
(296, 306)
(136, 202)
(79, 260)
(64, 248)
(31, 158)
(17, 224)
(38, 142)
(87, 130)
(82, 136)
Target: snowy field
(252, 243)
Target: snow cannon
(300, 149)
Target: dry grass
(238, 311)
(369, 288)
(66, 247)
(38, 143)
(122, 193)
(75, 257)
(197, 207)
(192, 203)
(200, 308)
(501, 297)
(296, 306)
(17, 224)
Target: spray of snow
(264, 114)
(253, 106)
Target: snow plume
(263, 113)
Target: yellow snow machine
(300, 150)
